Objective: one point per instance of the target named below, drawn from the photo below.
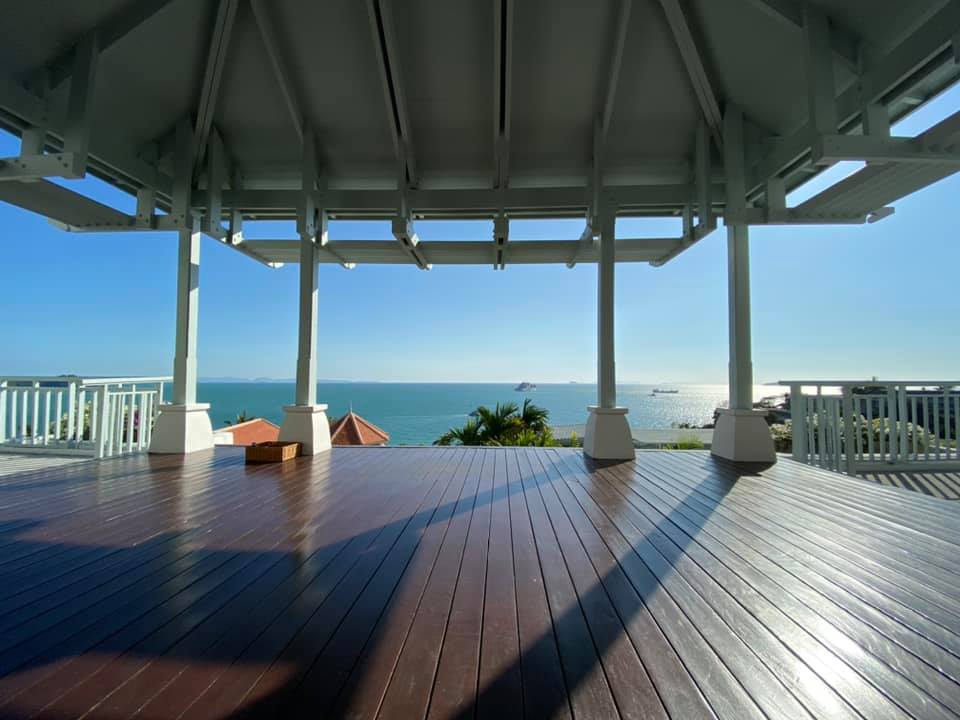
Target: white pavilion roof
(472, 109)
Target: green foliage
(506, 424)
(877, 428)
(469, 434)
(782, 436)
(685, 443)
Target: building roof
(352, 429)
(253, 431)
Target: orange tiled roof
(253, 431)
(352, 429)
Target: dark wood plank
(703, 604)
(500, 679)
(209, 578)
(453, 582)
(873, 688)
(872, 630)
(402, 577)
(864, 593)
(329, 555)
(587, 685)
(407, 640)
(830, 546)
(629, 681)
(455, 685)
(544, 687)
(271, 690)
(132, 676)
(675, 685)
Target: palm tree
(469, 434)
(499, 424)
(506, 424)
(533, 417)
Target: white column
(306, 422)
(3, 411)
(741, 433)
(307, 342)
(188, 296)
(738, 279)
(606, 360)
(184, 426)
(607, 435)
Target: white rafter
(601, 127)
(388, 62)
(693, 61)
(280, 70)
(380, 14)
(887, 76)
(210, 90)
(503, 23)
(502, 88)
(32, 163)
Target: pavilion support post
(184, 425)
(741, 433)
(306, 422)
(607, 434)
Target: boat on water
(659, 391)
(525, 387)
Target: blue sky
(828, 302)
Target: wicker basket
(267, 452)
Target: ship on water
(525, 387)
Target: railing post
(892, 445)
(71, 409)
(46, 417)
(24, 412)
(849, 443)
(36, 412)
(81, 412)
(3, 411)
(798, 422)
(902, 411)
(102, 429)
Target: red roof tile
(352, 429)
(253, 431)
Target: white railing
(103, 417)
(851, 426)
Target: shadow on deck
(462, 582)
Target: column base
(743, 436)
(608, 436)
(307, 425)
(182, 429)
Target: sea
(418, 413)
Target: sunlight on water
(418, 413)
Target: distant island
(228, 379)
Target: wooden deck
(453, 583)
(944, 484)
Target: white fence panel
(96, 416)
(851, 426)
